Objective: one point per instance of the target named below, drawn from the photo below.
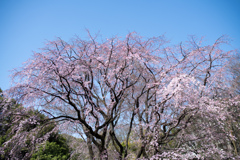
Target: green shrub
(54, 149)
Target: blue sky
(26, 24)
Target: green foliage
(2, 139)
(131, 146)
(54, 149)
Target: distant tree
(234, 123)
(78, 147)
(234, 68)
(157, 92)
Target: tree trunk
(90, 150)
(103, 155)
(141, 152)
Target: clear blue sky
(26, 24)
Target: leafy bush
(57, 150)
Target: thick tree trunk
(103, 155)
(90, 150)
(141, 151)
